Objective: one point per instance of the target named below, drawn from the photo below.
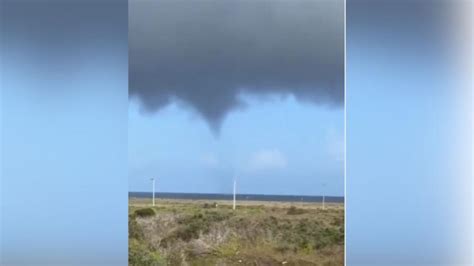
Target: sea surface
(216, 196)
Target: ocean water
(217, 196)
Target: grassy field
(181, 232)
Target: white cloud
(209, 160)
(268, 159)
(335, 142)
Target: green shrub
(191, 231)
(209, 206)
(295, 211)
(192, 226)
(305, 235)
(338, 221)
(146, 212)
(140, 255)
(134, 230)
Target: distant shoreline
(240, 197)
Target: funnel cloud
(204, 54)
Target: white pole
(235, 188)
(323, 201)
(153, 193)
(324, 197)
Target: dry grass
(185, 232)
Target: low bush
(134, 230)
(191, 226)
(146, 212)
(139, 254)
(338, 221)
(295, 211)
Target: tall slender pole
(324, 197)
(235, 188)
(324, 201)
(153, 191)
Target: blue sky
(64, 101)
(275, 145)
(409, 133)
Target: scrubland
(183, 232)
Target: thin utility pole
(235, 191)
(153, 191)
(324, 197)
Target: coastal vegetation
(206, 233)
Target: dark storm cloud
(414, 22)
(54, 38)
(203, 54)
